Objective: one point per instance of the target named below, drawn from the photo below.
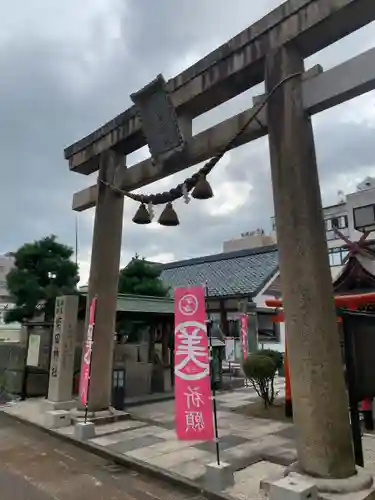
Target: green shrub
(276, 356)
(258, 366)
(260, 370)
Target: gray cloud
(67, 70)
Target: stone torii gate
(270, 50)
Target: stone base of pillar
(99, 417)
(59, 405)
(218, 477)
(56, 419)
(84, 431)
(360, 486)
(289, 489)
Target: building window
(340, 222)
(343, 221)
(233, 328)
(336, 256)
(335, 222)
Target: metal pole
(49, 357)
(24, 374)
(352, 392)
(214, 408)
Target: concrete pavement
(36, 466)
(256, 448)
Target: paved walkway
(149, 437)
(255, 448)
(35, 466)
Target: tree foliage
(140, 277)
(43, 271)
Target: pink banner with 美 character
(244, 332)
(84, 382)
(193, 402)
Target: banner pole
(90, 366)
(214, 407)
(244, 340)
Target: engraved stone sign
(63, 347)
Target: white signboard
(230, 349)
(238, 350)
(33, 352)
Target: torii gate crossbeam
(321, 91)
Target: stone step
(100, 418)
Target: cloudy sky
(67, 67)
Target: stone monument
(62, 354)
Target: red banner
(243, 321)
(193, 402)
(288, 390)
(84, 381)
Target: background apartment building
(11, 332)
(248, 240)
(6, 264)
(338, 216)
(341, 216)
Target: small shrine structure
(358, 273)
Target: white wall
(10, 334)
(335, 271)
(260, 301)
(354, 200)
(335, 211)
(255, 240)
(6, 264)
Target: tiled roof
(244, 272)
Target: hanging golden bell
(169, 217)
(202, 190)
(142, 216)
